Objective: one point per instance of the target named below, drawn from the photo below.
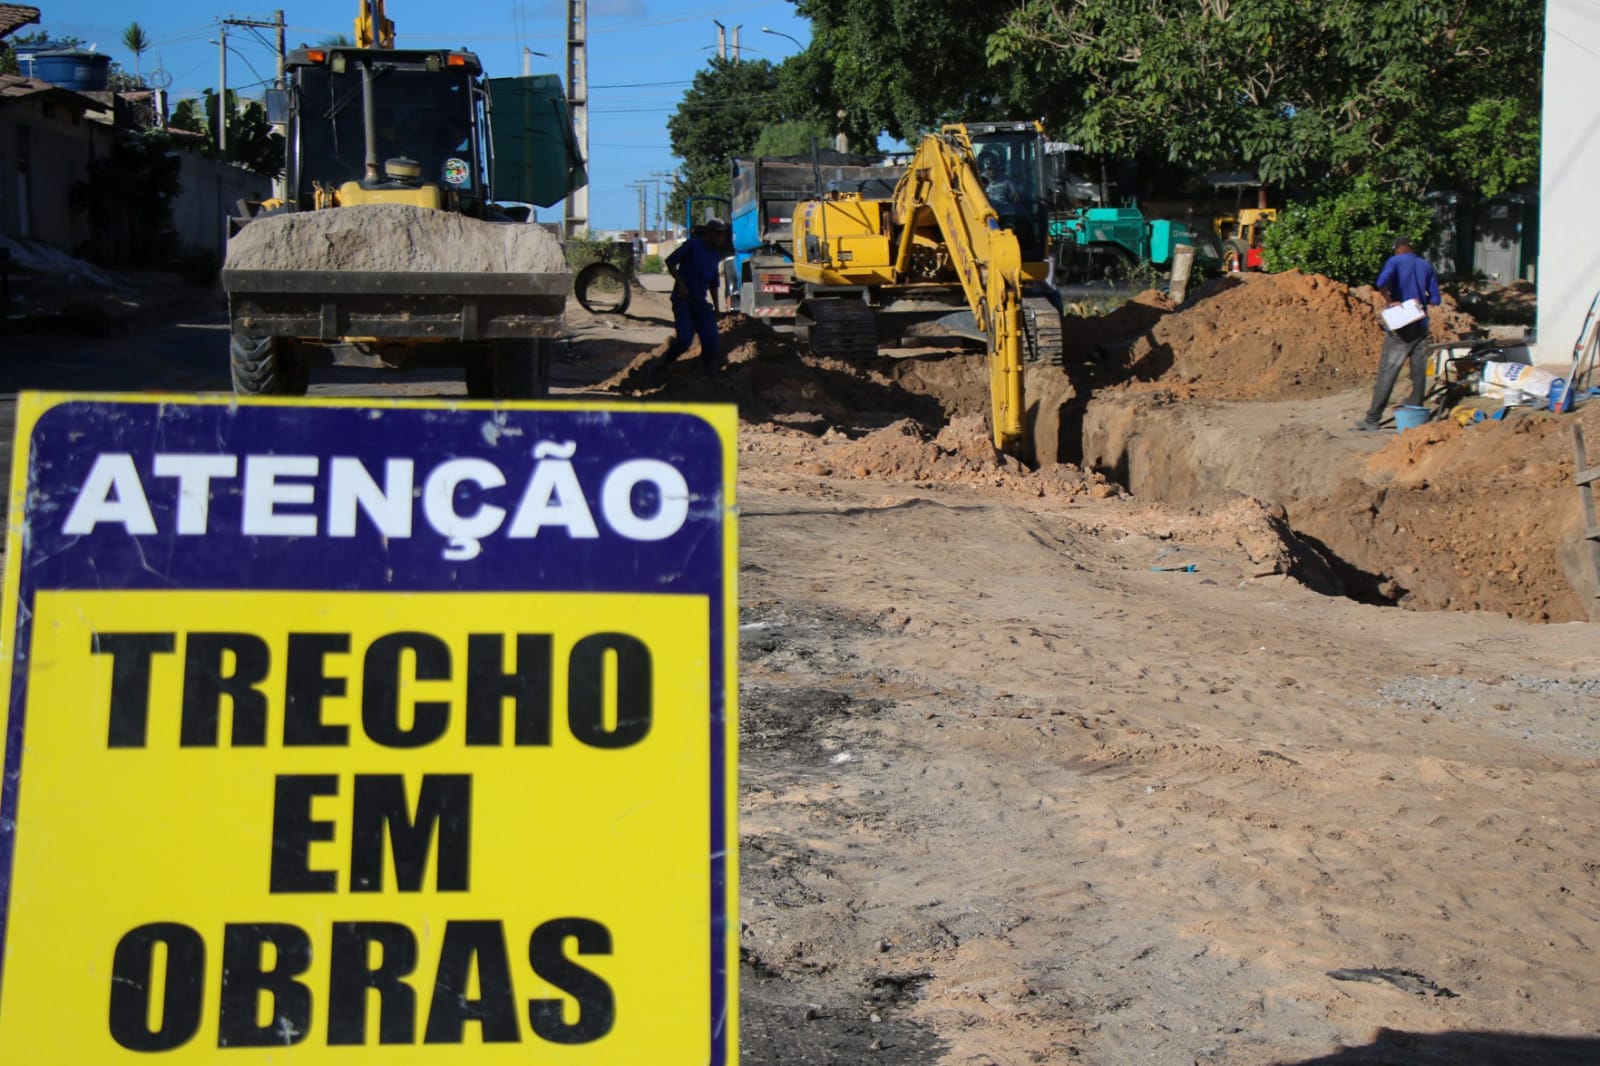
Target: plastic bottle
(1558, 389)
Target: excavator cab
(1011, 166)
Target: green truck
(1109, 243)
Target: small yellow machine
(967, 224)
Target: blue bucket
(1409, 417)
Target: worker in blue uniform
(1405, 276)
(696, 269)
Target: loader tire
(479, 374)
(519, 369)
(265, 366)
(1235, 256)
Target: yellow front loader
(968, 223)
(371, 124)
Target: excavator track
(1045, 334)
(838, 328)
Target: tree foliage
(252, 143)
(128, 197)
(1346, 235)
(793, 138)
(721, 115)
(906, 66)
(137, 41)
(1310, 93)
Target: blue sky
(642, 56)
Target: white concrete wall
(1569, 224)
(200, 211)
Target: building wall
(200, 211)
(46, 147)
(1569, 230)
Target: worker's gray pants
(1407, 344)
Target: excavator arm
(373, 29)
(937, 240)
(941, 193)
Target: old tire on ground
(519, 369)
(1235, 256)
(602, 289)
(265, 366)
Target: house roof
(16, 87)
(14, 16)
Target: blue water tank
(70, 68)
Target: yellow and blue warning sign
(391, 732)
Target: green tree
(189, 115)
(906, 66)
(252, 144)
(792, 138)
(135, 40)
(1346, 235)
(1495, 148)
(1314, 93)
(722, 114)
(8, 58)
(128, 197)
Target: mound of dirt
(1250, 337)
(393, 237)
(961, 453)
(1477, 518)
(907, 420)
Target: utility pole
(577, 202)
(276, 23)
(644, 199)
(280, 188)
(722, 39)
(222, 92)
(658, 177)
(736, 30)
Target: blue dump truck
(765, 190)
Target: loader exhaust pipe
(369, 124)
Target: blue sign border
(59, 437)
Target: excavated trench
(1244, 394)
(1441, 518)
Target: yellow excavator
(967, 224)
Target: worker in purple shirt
(695, 266)
(1406, 276)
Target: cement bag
(1531, 380)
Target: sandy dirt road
(1012, 795)
(1024, 799)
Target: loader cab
(1011, 165)
(427, 116)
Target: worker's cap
(716, 225)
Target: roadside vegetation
(1349, 112)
